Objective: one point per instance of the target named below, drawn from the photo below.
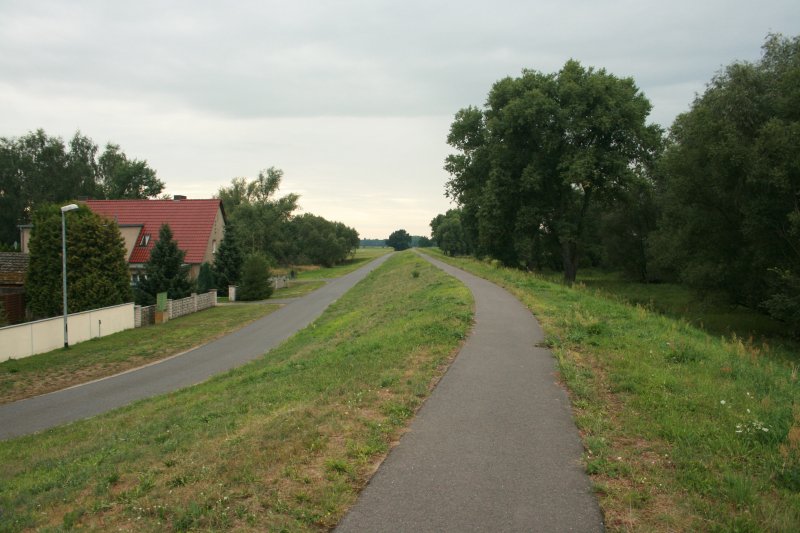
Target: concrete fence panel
(42, 336)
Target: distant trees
(165, 271)
(399, 240)
(448, 233)
(546, 150)
(319, 241)
(97, 271)
(421, 241)
(36, 169)
(267, 225)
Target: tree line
(562, 170)
(38, 169)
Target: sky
(351, 99)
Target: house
(198, 227)
(13, 267)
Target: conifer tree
(228, 262)
(206, 279)
(255, 279)
(97, 271)
(165, 271)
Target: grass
(684, 430)
(711, 312)
(105, 356)
(281, 444)
(297, 289)
(362, 257)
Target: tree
(124, 178)
(731, 217)
(228, 262)
(36, 169)
(257, 217)
(255, 279)
(424, 242)
(316, 240)
(448, 233)
(165, 271)
(546, 148)
(399, 240)
(206, 279)
(97, 271)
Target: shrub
(255, 283)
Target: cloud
(352, 98)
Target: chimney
(178, 197)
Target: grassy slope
(713, 314)
(96, 358)
(283, 443)
(683, 430)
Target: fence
(175, 308)
(42, 336)
(14, 304)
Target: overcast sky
(352, 99)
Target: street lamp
(70, 207)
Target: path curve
(192, 367)
(494, 448)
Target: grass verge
(683, 430)
(281, 444)
(106, 356)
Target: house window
(214, 246)
(145, 240)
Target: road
(192, 367)
(494, 448)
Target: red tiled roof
(191, 222)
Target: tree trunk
(570, 255)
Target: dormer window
(145, 240)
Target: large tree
(37, 169)
(121, 177)
(97, 272)
(546, 148)
(731, 207)
(399, 240)
(258, 218)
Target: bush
(255, 283)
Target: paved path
(494, 448)
(42, 412)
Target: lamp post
(70, 207)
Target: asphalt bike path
(494, 448)
(83, 401)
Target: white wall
(42, 336)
